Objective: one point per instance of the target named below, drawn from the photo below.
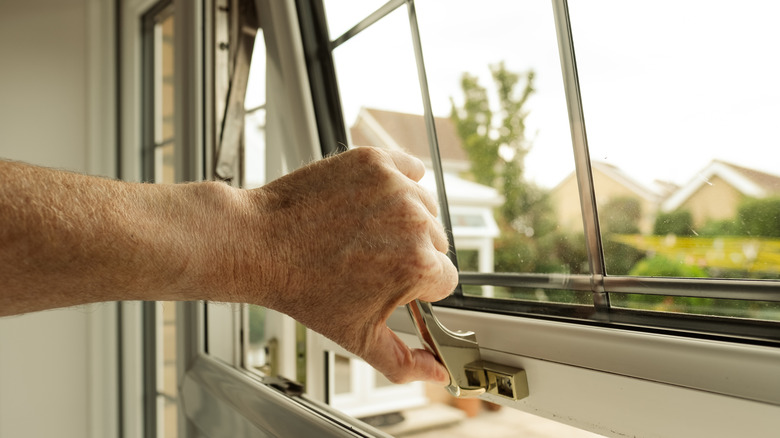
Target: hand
(349, 239)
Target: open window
(633, 307)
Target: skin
(337, 245)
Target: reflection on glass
(763, 310)
(501, 125)
(682, 132)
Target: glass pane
(681, 112)
(254, 121)
(498, 83)
(505, 161)
(342, 374)
(168, 389)
(700, 306)
(164, 99)
(382, 104)
(343, 15)
(259, 350)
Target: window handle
(455, 350)
(470, 376)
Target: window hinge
(470, 376)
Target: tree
(496, 144)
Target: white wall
(56, 367)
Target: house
(609, 183)
(716, 191)
(407, 132)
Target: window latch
(470, 376)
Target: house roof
(394, 130)
(622, 178)
(749, 182)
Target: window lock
(470, 376)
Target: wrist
(226, 244)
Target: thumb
(400, 364)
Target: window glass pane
(700, 306)
(254, 121)
(681, 111)
(382, 104)
(259, 354)
(167, 398)
(506, 162)
(261, 351)
(163, 99)
(343, 15)
(342, 374)
(498, 83)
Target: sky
(667, 86)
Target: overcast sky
(667, 85)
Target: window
(488, 100)
(477, 95)
(539, 223)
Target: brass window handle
(470, 376)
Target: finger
(428, 200)
(441, 281)
(407, 164)
(400, 364)
(439, 237)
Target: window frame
(704, 339)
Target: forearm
(69, 239)
(337, 245)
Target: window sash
(598, 283)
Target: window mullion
(581, 156)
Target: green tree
(497, 150)
(496, 144)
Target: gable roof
(620, 177)
(624, 179)
(749, 182)
(394, 130)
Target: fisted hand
(339, 244)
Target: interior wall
(49, 361)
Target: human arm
(337, 245)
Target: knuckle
(369, 155)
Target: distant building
(407, 132)
(609, 183)
(716, 191)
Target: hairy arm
(338, 245)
